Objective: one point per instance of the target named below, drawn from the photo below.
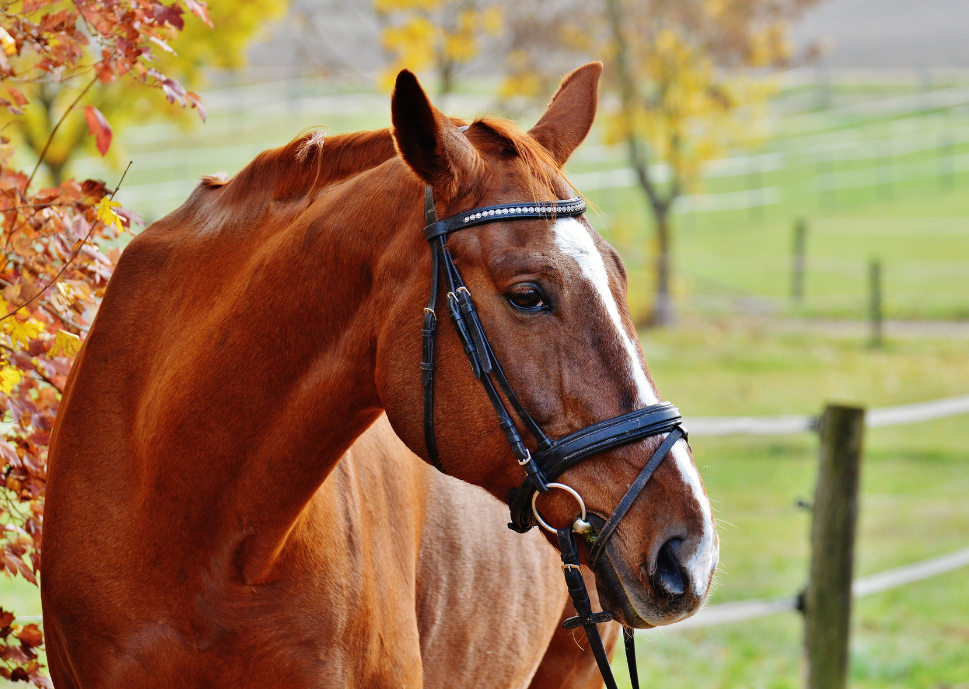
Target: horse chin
(632, 601)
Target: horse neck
(360, 247)
(294, 384)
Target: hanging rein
(552, 457)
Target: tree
(199, 46)
(671, 66)
(53, 273)
(443, 34)
(679, 71)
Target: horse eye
(527, 297)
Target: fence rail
(725, 613)
(739, 611)
(783, 425)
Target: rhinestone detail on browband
(547, 209)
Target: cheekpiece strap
(548, 210)
(430, 212)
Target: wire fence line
(725, 613)
(782, 425)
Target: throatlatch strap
(583, 606)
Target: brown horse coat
(201, 527)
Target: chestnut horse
(201, 527)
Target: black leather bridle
(551, 457)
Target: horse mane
(312, 161)
(299, 169)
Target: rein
(552, 457)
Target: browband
(513, 211)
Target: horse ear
(569, 116)
(429, 142)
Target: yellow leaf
(6, 40)
(22, 332)
(107, 215)
(65, 344)
(9, 377)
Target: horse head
(551, 295)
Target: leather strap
(547, 210)
(427, 335)
(630, 497)
(583, 606)
(629, 643)
(605, 435)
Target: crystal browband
(479, 216)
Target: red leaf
(98, 126)
(131, 217)
(15, 564)
(196, 101)
(172, 15)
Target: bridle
(551, 457)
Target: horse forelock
(503, 138)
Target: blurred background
(787, 183)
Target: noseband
(551, 457)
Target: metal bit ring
(571, 491)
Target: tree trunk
(446, 70)
(663, 313)
(56, 172)
(660, 204)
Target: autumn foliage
(54, 271)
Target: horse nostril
(669, 577)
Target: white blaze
(575, 241)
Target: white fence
(783, 425)
(739, 611)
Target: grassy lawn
(914, 486)
(886, 183)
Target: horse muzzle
(661, 592)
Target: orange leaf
(31, 635)
(98, 126)
(19, 98)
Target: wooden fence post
(827, 601)
(875, 301)
(797, 273)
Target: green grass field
(913, 506)
(878, 171)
